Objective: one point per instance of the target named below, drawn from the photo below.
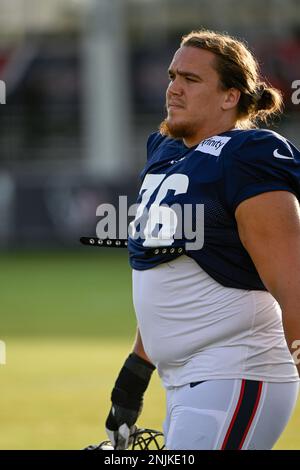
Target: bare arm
(269, 228)
(138, 347)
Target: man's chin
(176, 130)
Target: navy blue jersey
(218, 173)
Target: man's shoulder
(244, 137)
(258, 144)
(258, 136)
(156, 140)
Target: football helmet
(141, 439)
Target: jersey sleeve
(265, 162)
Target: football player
(219, 322)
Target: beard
(181, 130)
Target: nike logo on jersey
(214, 145)
(276, 154)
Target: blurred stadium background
(85, 83)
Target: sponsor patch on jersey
(213, 145)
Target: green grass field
(67, 320)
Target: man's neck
(194, 140)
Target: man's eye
(189, 79)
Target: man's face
(194, 97)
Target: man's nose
(175, 87)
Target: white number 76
(162, 215)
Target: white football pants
(229, 414)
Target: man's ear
(231, 98)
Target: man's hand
(127, 400)
(120, 425)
